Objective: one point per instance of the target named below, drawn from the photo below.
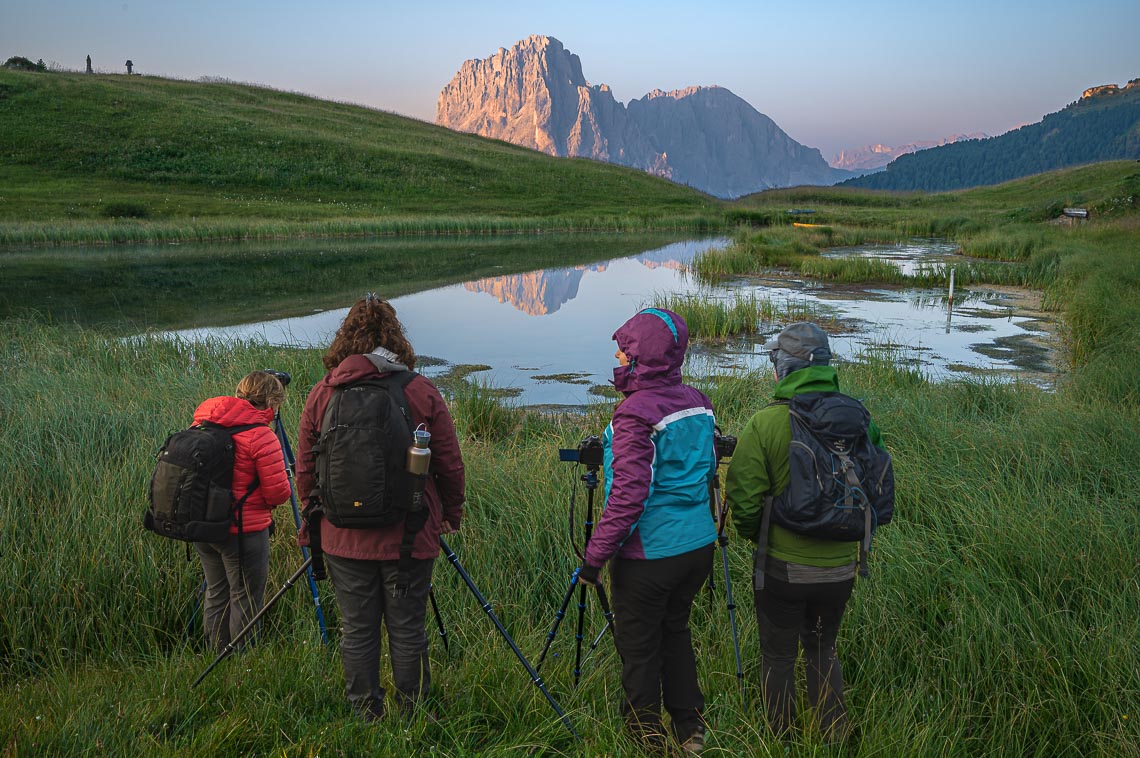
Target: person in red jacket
(363, 562)
(236, 570)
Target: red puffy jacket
(257, 452)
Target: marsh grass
(742, 315)
(990, 625)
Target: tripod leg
(561, 614)
(253, 621)
(289, 464)
(438, 619)
(201, 594)
(732, 616)
(578, 637)
(534, 677)
(604, 601)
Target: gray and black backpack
(190, 497)
(841, 486)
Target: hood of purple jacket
(654, 340)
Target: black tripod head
(724, 445)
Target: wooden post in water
(950, 302)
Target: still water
(545, 334)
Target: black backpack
(362, 479)
(841, 485)
(190, 497)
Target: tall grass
(999, 618)
(719, 320)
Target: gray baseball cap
(804, 341)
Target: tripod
(591, 480)
(534, 677)
(290, 463)
(720, 515)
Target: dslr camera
(590, 452)
(282, 376)
(724, 444)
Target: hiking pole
(229, 648)
(534, 677)
(290, 462)
(438, 619)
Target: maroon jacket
(443, 493)
(257, 452)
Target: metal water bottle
(419, 454)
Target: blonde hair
(262, 389)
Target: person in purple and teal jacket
(656, 530)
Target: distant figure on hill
(89, 70)
(130, 66)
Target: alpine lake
(541, 337)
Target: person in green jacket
(806, 582)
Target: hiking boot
(372, 710)
(695, 743)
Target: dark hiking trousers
(235, 584)
(652, 601)
(364, 596)
(790, 615)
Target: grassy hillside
(106, 158)
(1102, 127)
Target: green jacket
(759, 467)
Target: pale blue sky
(833, 75)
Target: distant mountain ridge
(535, 94)
(1103, 125)
(874, 157)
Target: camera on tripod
(724, 444)
(281, 376)
(590, 452)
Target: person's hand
(588, 574)
(448, 528)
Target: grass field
(98, 159)
(1000, 618)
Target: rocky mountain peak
(535, 94)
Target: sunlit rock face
(706, 137)
(537, 293)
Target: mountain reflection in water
(547, 333)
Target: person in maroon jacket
(362, 562)
(236, 570)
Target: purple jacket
(659, 456)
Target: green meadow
(1000, 616)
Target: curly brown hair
(370, 323)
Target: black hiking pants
(808, 615)
(652, 601)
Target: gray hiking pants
(235, 588)
(364, 597)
